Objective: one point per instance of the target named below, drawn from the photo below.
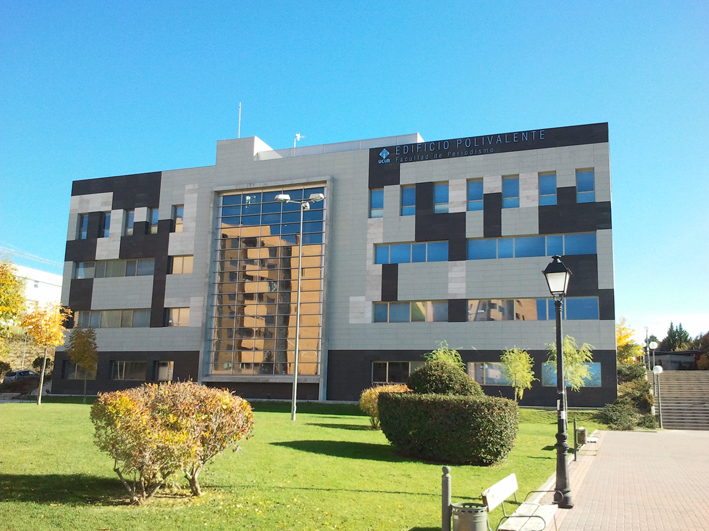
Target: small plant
(444, 353)
(443, 378)
(576, 359)
(630, 370)
(517, 367)
(368, 401)
(637, 394)
(619, 416)
(154, 431)
(648, 421)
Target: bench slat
(521, 521)
(499, 492)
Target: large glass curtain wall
(253, 325)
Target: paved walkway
(644, 481)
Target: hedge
(443, 378)
(449, 429)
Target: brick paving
(644, 481)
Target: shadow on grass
(351, 427)
(347, 449)
(309, 408)
(425, 529)
(60, 488)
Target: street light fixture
(304, 205)
(557, 276)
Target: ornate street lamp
(304, 205)
(557, 276)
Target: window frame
(178, 218)
(408, 208)
(439, 205)
(508, 199)
(547, 199)
(82, 227)
(378, 211)
(128, 222)
(478, 204)
(153, 220)
(586, 195)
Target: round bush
(443, 378)
(450, 429)
(369, 398)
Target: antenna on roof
(239, 121)
(298, 137)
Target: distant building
(192, 273)
(40, 286)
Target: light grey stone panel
(122, 293)
(520, 221)
(458, 195)
(456, 280)
(66, 282)
(149, 339)
(140, 214)
(604, 247)
(506, 278)
(83, 204)
(423, 281)
(474, 224)
(492, 184)
(399, 229)
(528, 189)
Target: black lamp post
(557, 276)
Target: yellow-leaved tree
(45, 325)
(627, 348)
(517, 366)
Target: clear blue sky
(93, 89)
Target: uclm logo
(384, 154)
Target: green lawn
(327, 470)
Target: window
(487, 373)
(408, 200)
(581, 308)
(153, 214)
(105, 224)
(376, 203)
(177, 317)
(547, 189)
(113, 318)
(83, 227)
(581, 243)
(115, 268)
(84, 270)
(549, 375)
(128, 370)
(72, 371)
(181, 265)
(178, 212)
(404, 253)
(491, 310)
(575, 309)
(510, 192)
(585, 186)
(475, 194)
(416, 311)
(162, 371)
(526, 246)
(129, 220)
(440, 198)
(384, 372)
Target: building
(192, 273)
(40, 287)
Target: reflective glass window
(530, 246)
(105, 224)
(146, 266)
(398, 371)
(582, 243)
(580, 308)
(381, 312)
(379, 371)
(381, 255)
(83, 226)
(141, 318)
(437, 251)
(555, 245)
(399, 312)
(400, 253)
(376, 203)
(482, 249)
(505, 248)
(131, 267)
(111, 319)
(542, 309)
(231, 200)
(153, 215)
(418, 311)
(128, 217)
(510, 192)
(85, 269)
(439, 311)
(178, 214)
(487, 373)
(440, 198)
(408, 200)
(475, 194)
(418, 252)
(585, 186)
(549, 375)
(95, 319)
(547, 189)
(115, 268)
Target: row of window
(129, 318)
(585, 193)
(177, 265)
(574, 309)
(129, 221)
(122, 370)
(489, 248)
(483, 372)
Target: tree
(627, 348)
(575, 361)
(45, 325)
(675, 338)
(517, 367)
(83, 351)
(443, 353)
(12, 297)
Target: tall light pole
(656, 372)
(304, 205)
(557, 276)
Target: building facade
(193, 273)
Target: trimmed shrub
(450, 429)
(648, 421)
(629, 371)
(368, 400)
(443, 378)
(637, 394)
(153, 431)
(619, 416)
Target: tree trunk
(84, 402)
(41, 378)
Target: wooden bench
(529, 516)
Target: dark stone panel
(567, 218)
(390, 282)
(381, 175)
(492, 215)
(157, 308)
(457, 310)
(457, 247)
(584, 274)
(80, 293)
(80, 250)
(280, 391)
(424, 198)
(350, 372)
(432, 227)
(129, 191)
(606, 303)
(186, 368)
(565, 195)
(93, 229)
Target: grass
(327, 470)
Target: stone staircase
(684, 398)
